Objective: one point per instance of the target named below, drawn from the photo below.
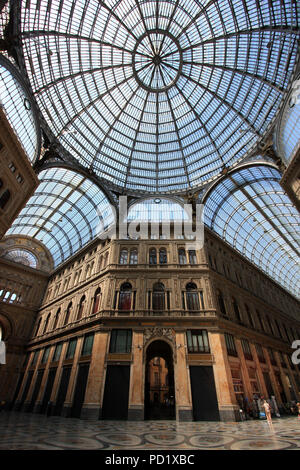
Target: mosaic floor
(26, 431)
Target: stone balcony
(98, 317)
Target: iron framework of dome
(250, 211)
(65, 213)
(154, 99)
(158, 96)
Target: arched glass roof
(17, 107)
(250, 211)
(22, 256)
(157, 210)
(159, 96)
(288, 134)
(64, 213)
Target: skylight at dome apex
(159, 96)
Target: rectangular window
(120, 341)
(57, 352)
(12, 167)
(247, 349)
(197, 341)
(272, 357)
(71, 348)
(46, 355)
(19, 178)
(87, 344)
(181, 256)
(282, 360)
(260, 353)
(35, 357)
(201, 300)
(230, 345)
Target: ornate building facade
(222, 328)
(164, 103)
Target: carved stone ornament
(159, 332)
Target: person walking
(267, 409)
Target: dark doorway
(64, 382)
(48, 389)
(82, 376)
(159, 382)
(204, 397)
(36, 390)
(116, 392)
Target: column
(244, 369)
(39, 399)
(272, 377)
(136, 388)
(228, 408)
(183, 396)
(58, 373)
(69, 397)
(92, 405)
(282, 377)
(261, 380)
(34, 377)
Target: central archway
(159, 382)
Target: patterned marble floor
(26, 431)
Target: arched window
(221, 303)
(278, 328)
(96, 300)
(123, 256)
(192, 257)
(163, 256)
(46, 323)
(250, 319)
(261, 323)
(125, 296)
(158, 299)
(192, 297)
(75, 280)
(38, 327)
(88, 271)
(236, 310)
(81, 307)
(133, 256)
(152, 256)
(182, 256)
(68, 313)
(56, 319)
(4, 199)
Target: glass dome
(66, 212)
(159, 96)
(251, 212)
(18, 109)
